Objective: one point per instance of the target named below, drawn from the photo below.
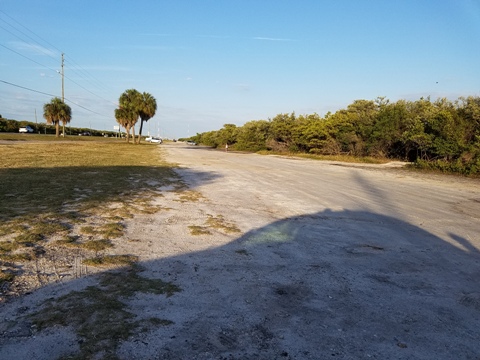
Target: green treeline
(439, 134)
(12, 126)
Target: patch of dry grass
(111, 260)
(341, 158)
(199, 230)
(219, 222)
(99, 314)
(214, 222)
(189, 196)
(72, 197)
(51, 188)
(43, 177)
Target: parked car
(155, 140)
(85, 133)
(191, 143)
(25, 129)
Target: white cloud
(33, 48)
(106, 68)
(270, 39)
(242, 87)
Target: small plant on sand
(219, 222)
(111, 261)
(99, 314)
(199, 230)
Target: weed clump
(6, 276)
(199, 230)
(97, 245)
(111, 260)
(99, 315)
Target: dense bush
(439, 134)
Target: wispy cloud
(213, 36)
(159, 34)
(242, 87)
(33, 48)
(106, 68)
(270, 39)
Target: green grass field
(52, 189)
(64, 199)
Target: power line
(81, 71)
(100, 97)
(44, 93)
(36, 62)
(47, 67)
(40, 47)
(26, 57)
(23, 87)
(38, 36)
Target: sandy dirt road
(330, 262)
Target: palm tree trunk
(133, 133)
(127, 130)
(57, 129)
(140, 132)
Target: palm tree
(55, 111)
(129, 103)
(126, 118)
(148, 107)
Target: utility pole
(63, 89)
(63, 76)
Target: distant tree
(281, 132)
(57, 111)
(252, 136)
(227, 135)
(442, 135)
(129, 108)
(146, 110)
(126, 118)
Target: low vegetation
(63, 206)
(12, 126)
(99, 314)
(71, 197)
(214, 223)
(442, 134)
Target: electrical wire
(26, 57)
(23, 87)
(38, 36)
(44, 93)
(47, 67)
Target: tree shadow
(349, 284)
(36, 191)
(343, 284)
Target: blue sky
(213, 62)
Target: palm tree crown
(55, 111)
(134, 105)
(148, 107)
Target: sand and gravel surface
(311, 260)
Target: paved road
(339, 261)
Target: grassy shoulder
(62, 206)
(57, 195)
(340, 158)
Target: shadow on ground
(36, 191)
(343, 285)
